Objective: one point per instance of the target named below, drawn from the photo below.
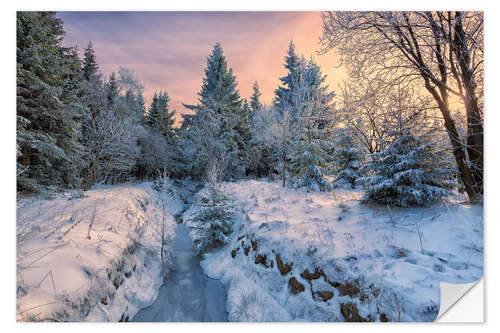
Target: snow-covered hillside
(326, 257)
(91, 256)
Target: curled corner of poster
(462, 303)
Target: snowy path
(188, 295)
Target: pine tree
(408, 173)
(141, 104)
(167, 118)
(290, 82)
(310, 158)
(112, 89)
(48, 113)
(255, 103)
(159, 116)
(309, 161)
(153, 110)
(246, 132)
(89, 65)
(348, 160)
(212, 223)
(217, 129)
(92, 94)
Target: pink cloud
(168, 50)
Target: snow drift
(326, 257)
(91, 256)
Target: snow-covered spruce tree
(283, 115)
(216, 132)
(303, 106)
(213, 218)
(255, 103)
(112, 89)
(277, 139)
(259, 152)
(293, 64)
(408, 173)
(348, 160)
(141, 104)
(312, 104)
(89, 62)
(198, 137)
(249, 151)
(152, 114)
(93, 97)
(159, 116)
(48, 110)
(166, 122)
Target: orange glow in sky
(168, 50)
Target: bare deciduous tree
(443, 50)
(376, 113)
(112, 147)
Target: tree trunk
(456, 143)
(283, 171)
(271, 165)
(474, 121)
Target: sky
(168, 50)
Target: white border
(8, 133)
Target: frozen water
(188, 295)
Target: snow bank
(91, 256)
(326, 257)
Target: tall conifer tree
(255, 103)
(290, 81)
(48, 114)
(311, 113)
(89, 63)
(218, 127)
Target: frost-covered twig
(419, 236)
(38, 306)
(70, 228)
(52, 278)
(39, 258)
(92, 219)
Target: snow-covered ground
(63, 274)
(326, 257)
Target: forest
(403, 132)
(419, 101)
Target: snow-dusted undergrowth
(91, 256)
(325, 257)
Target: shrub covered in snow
(162, 184)
(348, 160)
(211, 219)
(408, 173)
(308, 161)
(313, 183)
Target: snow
(64, 275)
(375, 248)
(352, 260)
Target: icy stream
(188, 295)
